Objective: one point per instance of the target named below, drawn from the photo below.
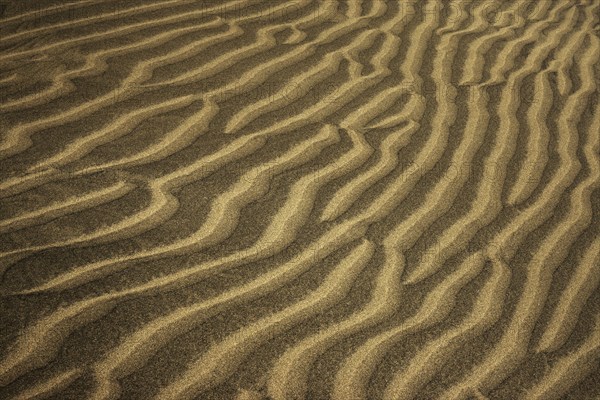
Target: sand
(307, 199)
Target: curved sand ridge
(311, 199)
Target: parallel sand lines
(569, 370)
(120, 127)
(536, 153)
(96, 61)
(95, 64)
(176, 139)
(488, 203)
(282, 222)
(18, 139)
(586, 277)
(158, 151)
(219, 223)
(116, 32)
(90, 20)
(412, 112)
(290, 374)
(221, 360)
(389, 291)
(278, 234)
(49, 387)
(406, 233)
(571, 303)
(475, 61)
(511, 349)
(184, 135)
(429, 360)
(536, 156)
(68, 206)
(506, 58)
(46, 11)
(150, 286)
(352, 144)
(391, 270)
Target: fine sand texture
(300, 199)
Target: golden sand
(306, 199)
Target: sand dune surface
(306, 199)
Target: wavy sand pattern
(306, 199)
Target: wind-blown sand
(347, 200)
